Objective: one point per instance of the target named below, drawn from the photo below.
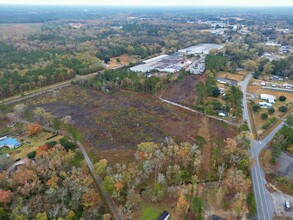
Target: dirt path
(206, 151)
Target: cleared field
(252, 88)
(124, 60)
(232, 76)
(12, 30)
(113, 124)
(184, 91)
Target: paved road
(195, 111)
(46, 89)
(99, 181)
(264, 202)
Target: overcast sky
(156, 2)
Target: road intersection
(264, 202)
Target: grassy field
(29, 144)
(124, 60)
(12, 30)
(113, 124)
(257, 90)
(259, 122)
(232, 76)
(149, 211)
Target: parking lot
(279, 203)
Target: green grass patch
(149, 213)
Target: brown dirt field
(125, 60)
(184, 91)
(207, 150)
(113, 124)
(252, 89)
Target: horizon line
(148, 5)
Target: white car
(287, 205)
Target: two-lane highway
(265, 207)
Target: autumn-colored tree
(239, 204)
(133, 198)
(70, 215)
(5, 196)
(33, 129)
(235, 181)
(118, 186)
(90, 199)
(182, 205)
(25, 181)
(41, 149)
(42, 216)
(100, 167)
(53, 182)
(107, 216)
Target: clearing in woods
(113, 124)
(12, 30)
(183, 92)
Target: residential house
(265, 105)
(9, 142)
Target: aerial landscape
(146, 110)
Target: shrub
(256, 108)
(282, 98)
(200, 140)
(264, 116)
(51, 143)
(283, 109)
(271, 110)
(68, 145)
(215, 91)
(269, 123)
(107, 59)
(32, 155)
(251, 204)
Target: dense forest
(55, 185)
(173, 171)
(62, 49)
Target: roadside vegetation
(170, 173)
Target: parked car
(287, 205)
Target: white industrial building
(200, 49)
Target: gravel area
(285, 166)
(279, 204)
